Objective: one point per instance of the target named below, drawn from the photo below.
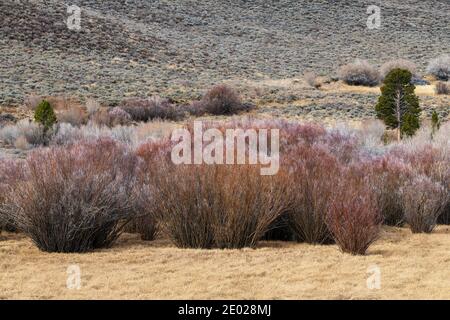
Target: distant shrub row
(51, 115)
(363, 73)
(219, 100)
(330, 188)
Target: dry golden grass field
(413, 266)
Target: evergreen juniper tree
(44, 115)
(398, 105)
(435, 123)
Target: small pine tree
(435, 123)
(398, 105)
(44, 115)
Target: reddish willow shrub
(339, 144)
(76, 198)
(424, 200)
(311, 174)
(354, 218)
(152, 108)
(293, 133)
(220, 100)
(424, 159)
(223, 206)
(309, 169)
(154, 152)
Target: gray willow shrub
(387, 176)
(75, 198)
(397, 64)
(424, 200)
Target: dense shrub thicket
(11, 172)
(334, 185)
(206, 206)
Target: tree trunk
(398, 110)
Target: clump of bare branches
(424, 200)
(354, 218)
(312, 171)
(74, 198)
(205, 206)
